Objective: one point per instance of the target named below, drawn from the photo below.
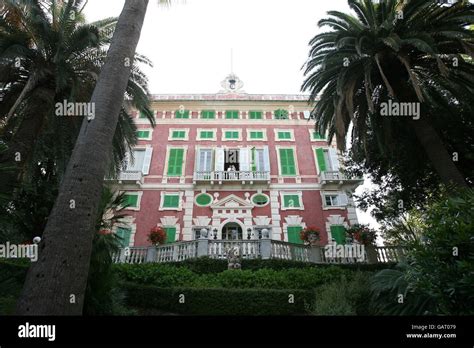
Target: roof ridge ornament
(232, 84)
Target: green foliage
(215, 301)
(12, 276)
(439, 275)
(346, 296)
(162, 275)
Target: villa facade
(234, 166)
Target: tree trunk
(439, 157)
(55, 284)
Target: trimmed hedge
(217, 301)
(205, 265)
(167, 276)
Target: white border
(167, 193)
(292, 193)
(186, 134)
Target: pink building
(234, 166)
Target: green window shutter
(317, 136)
(256, 135)
(281, 114)
(142, 114)
(288, 199)
(232, 135)
(207, 135)
(208, 114)
(181, 114)
(287, 162)
(255, 115)
(284, 135)
(321, 161)
(131, 200)
(175, 162)
(294, 235)
(143, 134)
(124, 236)
(203, 199)
(338, 233)
(231, 114)
(171, 201)
(178, 134)
(170, 234)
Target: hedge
(217, 301)
(205, 265)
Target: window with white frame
(171, 201)
(231, 134)
(284, 135)
(256, 134)
(291, 200)
(138, 160)
(334, 199)
(206, 134)
(178, 134)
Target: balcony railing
(262, 248)
(232, 176)
(328, 177)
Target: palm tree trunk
(55, 284)
(437, 153)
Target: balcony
(220, 177)
(129, 177)
(339, 179)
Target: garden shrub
(345, 296)
(12, 277)
(215, 301)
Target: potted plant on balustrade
(310, 236)
(366, 236)
(157, 236)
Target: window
(260, 199)
(258, 160)
(142, 114)
(139, 160)
(281, 114)
(291, 201)
(335, 200)
(181, 114)
(294, 234)
(284, 135)
(232, 134)
(124, 235)
(232, 114)
(287, 162)
(206, 135)
(208, 114)
(175, 162)
(255, 115)
(170, 234)
(338, 234)
(144, 135)
(130, 200)
(178, 134)
(317, 136)
(256, 135)
(171, 201)
(327, 160)
(204, 199)
(204, 158)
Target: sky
(190, 44)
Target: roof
(234, 96)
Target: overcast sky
(190, 44)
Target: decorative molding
(169, 221)
(262, 221)
(202, 221)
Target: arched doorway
(232, 231)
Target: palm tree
(48, 54)
(393, 50)
(55, 285)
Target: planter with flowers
(366, 236)
(157, 236)
(310, 236)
